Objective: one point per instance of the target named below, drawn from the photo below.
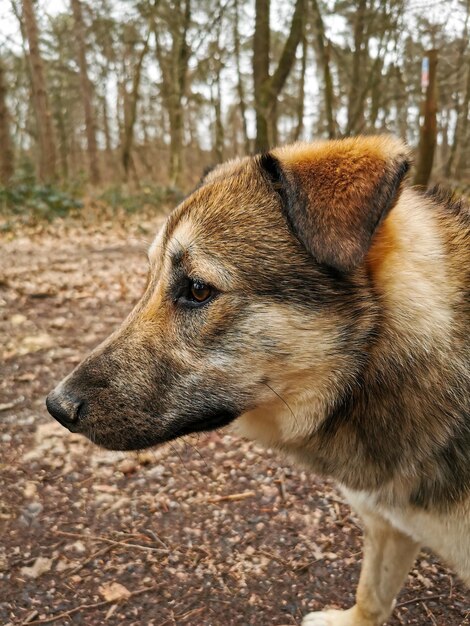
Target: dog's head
(257, 300)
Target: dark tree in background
(267, 87)
(173, 22)
(428, 135)
(44, 129)
(6, 150)
(87, 92)
(323, 51)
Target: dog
(318, 303)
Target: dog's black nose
(65, 407)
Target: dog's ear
(335, 193)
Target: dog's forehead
(232, 205)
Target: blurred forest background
(110, 110)
(144, 94)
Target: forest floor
(211, 531)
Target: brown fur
(337, 331)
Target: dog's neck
(386, 433)
(407, 266)
(395, 413)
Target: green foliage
(26, 200)
(39, 201)
(119, 197)
(24, 196)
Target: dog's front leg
(388, 556)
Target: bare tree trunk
(261, 46)
(301, 95)
(460, 110)
(273, 131)
(401, 103)
(6, 149)
(23, 131)
(428, 134)
(130, 118)
(180, 55)
(106, 130)
(323, 52)
(121, 105)
(219, 128)
(357, 121)
(375, 92)
(268, 88)
(464, 128)
(45, 134)
(73, 156)
(63, 143)
(240, 88)
(87, 93)
(357, 65)
(444, 131)
(217, 98)
(174, 68)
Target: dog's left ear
(336, 193)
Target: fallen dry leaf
(34, 343)
(30, 489)
(64, 564)
(18, 319)
(113, 592)
(7, 405)
(40, 566)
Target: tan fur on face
(282, 420)
(198, 262)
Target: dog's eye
(199, 292)
(194, 293)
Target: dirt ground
(208, 532)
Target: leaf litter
(208, 531)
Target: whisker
(176, 451)
(284, 401)
(196, 449)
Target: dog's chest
(447, 534)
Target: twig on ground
(155, 537)
(295, 568)
(415, 600)
(191, 613)
(302, 567)
(430, 614)
(30, 617)
(7, 406)
(111, 541)
(231, 497)
(399, 617)
(282, 487)
(274, 557)
(94, 605)
(81, 565)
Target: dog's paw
(317, 619)
(335, 618)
